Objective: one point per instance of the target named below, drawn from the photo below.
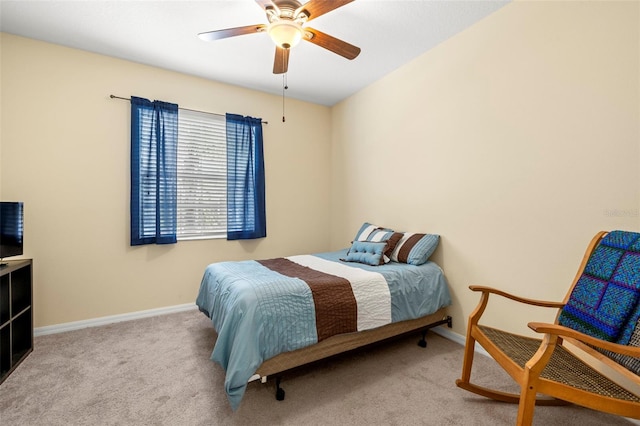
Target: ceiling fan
(286, 28)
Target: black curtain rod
(186, 109)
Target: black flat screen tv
(11, 228)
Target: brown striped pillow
(414, 248)
(369, 232)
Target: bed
(276, 314)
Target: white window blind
(202, 176)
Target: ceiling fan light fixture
(285, 34)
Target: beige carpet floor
(157, 371)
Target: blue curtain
(154, 139)
(246, 218)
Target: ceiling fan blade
(231, 32)
(317, 8)
(333, 44)
(281, 61)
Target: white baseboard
(447, 333)
(458, 338)
(95, 322)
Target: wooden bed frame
(342, 343)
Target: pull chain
(284, 87)
(285, 59)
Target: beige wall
(65, 153)
(516, 140)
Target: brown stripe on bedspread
(336, 308)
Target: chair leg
(467, 362)
(527, 403)
(465, 382)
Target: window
(194, 175)
(202, 176)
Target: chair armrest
(534, 302)
(563, 331)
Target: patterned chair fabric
(605, 302)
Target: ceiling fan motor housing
(286, 28)
(285, 22)
(286, 9)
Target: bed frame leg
(423, 342)
(279, 390)
(446, 320)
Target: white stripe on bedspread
(370, 289)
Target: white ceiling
(164, 34)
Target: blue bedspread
(259, 313)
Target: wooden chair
(599, 316)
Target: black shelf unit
(16, 314)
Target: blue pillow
(367, 252)
(369, 232)
(415, 249)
